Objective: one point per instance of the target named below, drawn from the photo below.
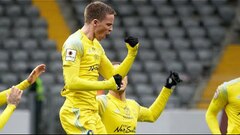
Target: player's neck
(88, 31)
(119, 95)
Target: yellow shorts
(75, 121)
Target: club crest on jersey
(92, 50)
(117, 111)
(71, 55)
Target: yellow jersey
(83, 61)
(226, 96)
(121, 117)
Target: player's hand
(172, 80)
(132, 41)
(118, 80)
(14, 96)
(36, 72)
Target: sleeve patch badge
(71, 55)
(216, 94)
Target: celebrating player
(120, 115)
(83, 59)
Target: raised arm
(36, 72)
(152, 113)
(106, 68)
(13, 100)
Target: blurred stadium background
(197, 38)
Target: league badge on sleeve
(216, 94)
(71, 55)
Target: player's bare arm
(36, 72)
(14, 96)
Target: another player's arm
(217, 104)
(13, 100)
(152, 113)
(158, 106)
(4, 117)
(71, 68)
(36, 72)
(22, 86)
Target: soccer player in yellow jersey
(12, 96)
(83, 60)
(120, 115)
(227, 96)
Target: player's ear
(95, 21)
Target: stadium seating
(180, 35)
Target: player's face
(104, 27)
(124, 83)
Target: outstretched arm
(151, 114)
(36, 72)
(13, 100)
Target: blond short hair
(97, 10)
